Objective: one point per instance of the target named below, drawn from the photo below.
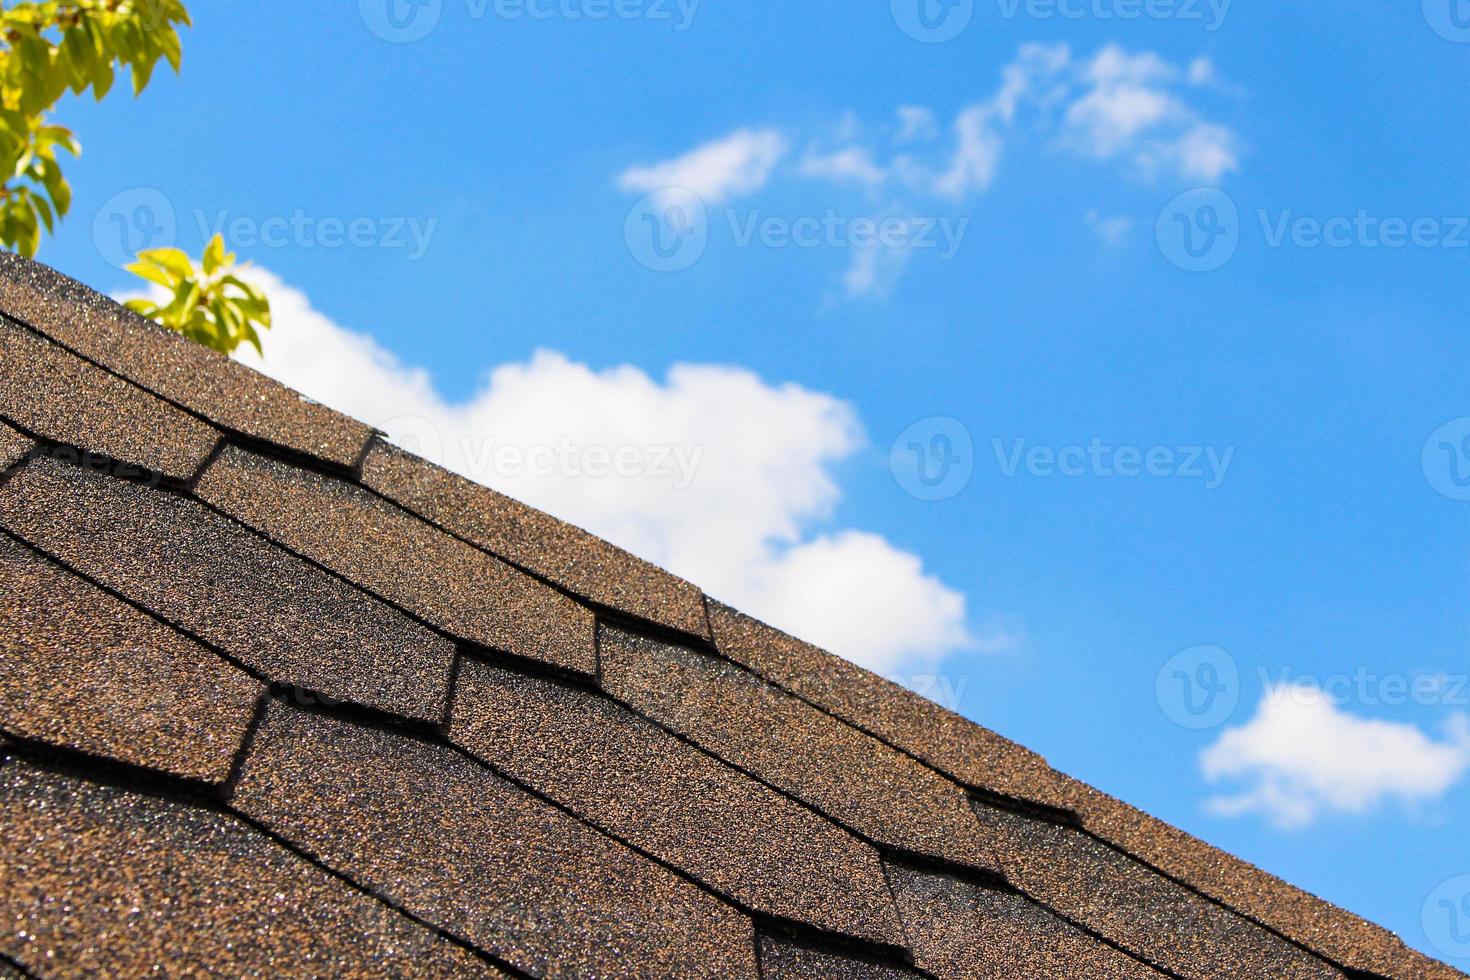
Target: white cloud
(734, 166)
(851, 164)
(739, 506)
(1301, 756)
(1113, 231)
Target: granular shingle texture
(98, 881)
(479, 857)
(675, 802)
(81, 670)
(291, 623)
(580, 562)
(380, 546)
(61, 398)
(961, 929)
(209, 384)
(783, 959)
(851, 777)
(280, 700)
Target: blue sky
(1314, 362)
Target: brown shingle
(783, 959)
(230, 394)
(673, 801)
(62, 398)
(479, 857)
(965, 931)
(853, 778)
(97, 881)
(1143, 912)
(83, 671)
(288, 621)
(382, 547)
(13, 447)
(579, 562)
(969, 753)
(1324, 927)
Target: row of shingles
(98, 880)
(560, 927)
(671, 800)
(460, 847)
(862, 783)
(208, 384)
(82, 671)
(978, 758)
(1314, 922)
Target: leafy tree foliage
(209, 304)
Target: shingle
(290, 622)
(963, 749)
(1137, 908)
(83, 671)
(98, 881)
(475, 855)
(1324, 927)
(853, 778)
(62, 398)
(13, 447)
(673, 801)
(783, 959)
(557, 551)
(382, 547)
(222, 390)
(961, 930)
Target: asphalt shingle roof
(277, 698)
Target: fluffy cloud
(711, 472)
(1302, 756)
(1133, 110)
(734, 166)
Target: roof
(278, 697)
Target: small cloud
(1302, 756)
(853, 164)
(916, 122)
(736, 165)
(1113, 231)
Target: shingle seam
(73, 455)
(585, 684)
(416, 618)
(295, 456)
(1082, 927)
(760, 918)
(1226, 906)
(300, 692)
(181, 790)
(847, 952)
(20, 970)
(1058, 815)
